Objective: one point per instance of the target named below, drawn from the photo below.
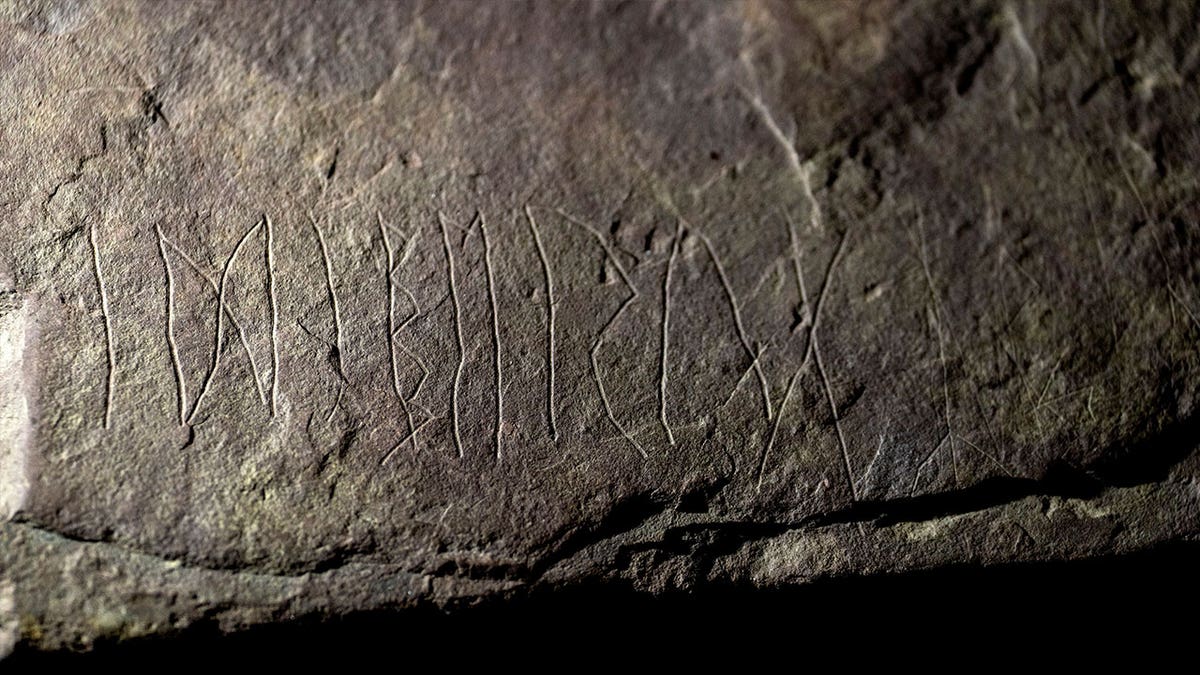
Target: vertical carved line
(110, 384)
(222, 309)
(550, 312)
(390, 263)
(274, 316)
(458, 335)
(665, 341)
(491, 284)
(333, 298)
(172, 345)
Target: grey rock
(314, 308)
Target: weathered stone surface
(316, 308)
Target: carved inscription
(396, 247)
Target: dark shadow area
(1102, 597)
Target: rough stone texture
(248, 248)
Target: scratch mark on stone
(391, 328)
(420, 364)
(1102, 262)
(825, 284)
(935, 309)
(173, 347)
(389, 265)
(411, 436)
(946, 397)
(803, 290)
(759, 349)
(412, 300)
(550, 312)
(413, 316)
(109, 390)
(811, 353)
(491, 286)
(1151, 221)
(237, 326)
(594, 352)
(274, 315)
(457, 332)
(409, 247)
(985, 454)
(665, 341)
(925, 462)
(1050, 378)
(333, 298)
(336, 404)
(222, 308)
(787, 396)
(1186, 309)
(756, 365)
(837, 421)
(874, 458)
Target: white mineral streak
(14, 412)
(10, 627)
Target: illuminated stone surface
(311, 308)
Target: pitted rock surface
(315, 308)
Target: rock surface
(309, 309)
